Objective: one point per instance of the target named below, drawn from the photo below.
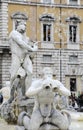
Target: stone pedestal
(43, 127)
(10, 112)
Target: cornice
(42, 4)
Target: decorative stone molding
(73, 19)
(47, 17)
(19, 15)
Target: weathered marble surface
(45, 115)
(5, 92)
(23, 51)
(75, 125)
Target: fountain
(45, 115)
(34, 104)
(23, 51)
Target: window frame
(70, 3)
(73, 20)
(73, 59)
(51, 32)
(77, 33)
(48, 58)
(47, 19)
(51, 1)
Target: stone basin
(75, 125)
(77, 116)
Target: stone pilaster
(3, 20)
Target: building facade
(57, 25)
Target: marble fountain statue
(5, 91)
(44, 114)
(33, 105)
(22, 54)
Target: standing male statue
(44, 111)
(22, 52)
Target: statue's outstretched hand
(35, 47)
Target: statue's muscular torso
(45, 101)
(15, 47)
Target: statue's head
(21, 26)
(47, 72)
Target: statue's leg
(24, 120)
(29, 70)
(14, 86)
(22, 82)
(15, 65)
(14, 68)
(28, 81)
(36, 120)
(59, 120)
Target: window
(73, 58)
(72, 84)
(47, 1)
(47, 28)
(72, 33)
(73, 29)
(74, 2)
(47, 32)
(47, 58)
